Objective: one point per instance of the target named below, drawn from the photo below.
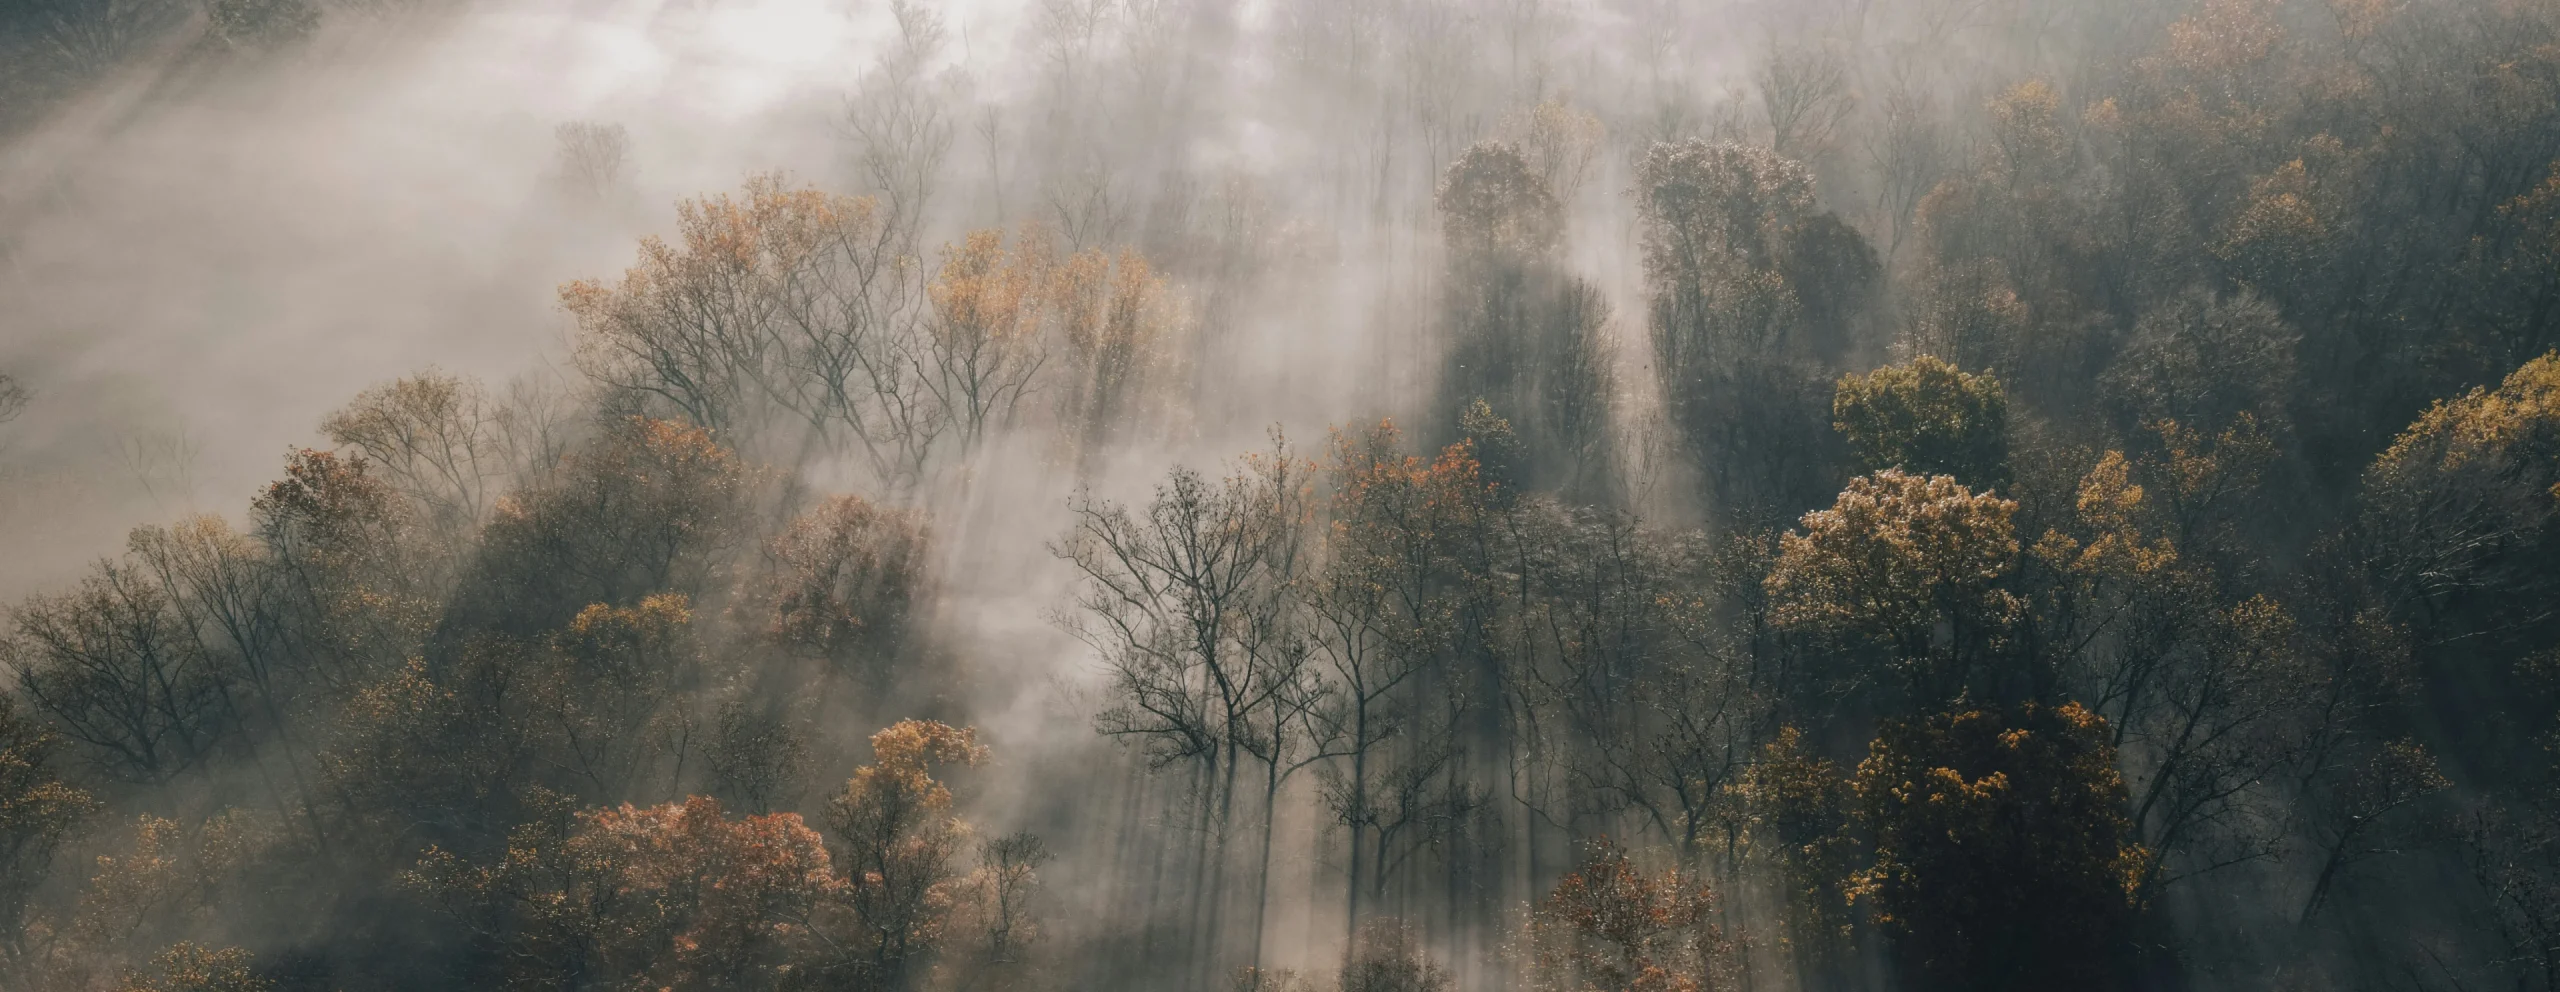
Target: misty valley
(1279, 495)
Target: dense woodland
(1921, 495)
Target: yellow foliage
(1893, 556)
(2224, 36)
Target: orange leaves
(897, 796)
(189, 967)
(601, 628)
(907, 748)
(786, 302)
(2115, 510)
(641, 509)
(1002, 311)
(684, 896)
(988, 294)
(1120, 322)
(844, 578)
(325, 494)
(675, 896)
(1377, 484)
(2026, 125)
(898, 841)
(1610, 926)
(2473, 479)
(729, 877)
(755, 288)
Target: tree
(2459, 501)
(2458, 532)
(1558, 142)
(170, 879)
(899, 120)
(1717, 224)
(38, 813)
(1610, 926)
(1796, 807)
(1909, 564)
(1492, 203)
(340, 586)
(1927, 417)
(1525, 337)
(678, 896)
(2363, 816)
(642, 509)
(1388, 611)
(755, 756)
(600, 695)
(1909, 155)
(713, 902)
(894, 829)
(2000, 861)
(784, 304)
(1191, 608)
(985, 340)
(445, 442)
(593, 156)
(115, 668)
(2206, 363)
(1838, 283)
(2514, 855)
(1122, 326)
(187, 967)
(1386, 956)
(1645, 700)
(2142, 606)
(1805, 93)
(842, 585)
(1002, 895)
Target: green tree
(1927, 417)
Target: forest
(1279, 495)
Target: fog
(1308, 494)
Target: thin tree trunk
(1262, 888)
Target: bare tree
(1188, 607)
(114, 666)
(439, 437)
(593, 157)
(1909, 156)
(821, 319)
(1560, 142)
(900, 121)
(1804, 90)
(2363, 815)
